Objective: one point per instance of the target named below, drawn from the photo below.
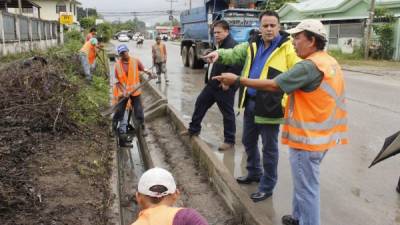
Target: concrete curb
(226, 186)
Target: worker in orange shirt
(127, 77)
(87, 56)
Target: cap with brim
(122, 48)
(311, 25)
(154, 177)
(93, 41)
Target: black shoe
(398, 189)
(158, 82)
(259, 196)
(289, 220)
(247, 180)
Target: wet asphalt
(351, 193)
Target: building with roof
(344, 20)
(43, 9)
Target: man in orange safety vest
(127, 78)
(87, 56)
(315, 114)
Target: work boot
(125, 140)
(289, 220)
(225, 146)
(188, 133)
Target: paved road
(351, 194)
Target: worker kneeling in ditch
(127, 79)
(157, 193)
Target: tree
(82, 13)
(275, 4)
(88, 22)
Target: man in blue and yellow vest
(315, 115)
(265, 57)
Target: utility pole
(367, 33)
(190, 4)
(19, 7)
(171, 17)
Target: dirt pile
(52, 169)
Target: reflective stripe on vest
(159, 215)
(317, 120)
(246, 70)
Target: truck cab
(197, 35)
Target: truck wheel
(194, 62)
(184, 55)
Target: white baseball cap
(312, 25)
(153, 177)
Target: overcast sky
(139, 6)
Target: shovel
(123, 101)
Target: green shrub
(88, 22)
(385, 33)
(104, 32)
(356, 55)
(73, 35)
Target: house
(344, 20)
(45, 9)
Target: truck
(197, 36)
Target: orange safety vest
(317, 120)
(90, 51)
(159, 215)
(126, 82)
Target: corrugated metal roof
(311, 5)
(318, 5)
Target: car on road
(123, 38)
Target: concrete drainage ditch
(205, 184)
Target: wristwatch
(237, 81)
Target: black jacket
(218, 68)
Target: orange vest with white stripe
(90, 51)
(159, 215)
(126, 81)
(317, 120)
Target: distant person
(91, 34)
(315, 115)
(156, 196)
(214, 92)
(159, 53)
(127, 77)
(87, 56)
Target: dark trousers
(270, 155)
(137, 111)
(224, 99)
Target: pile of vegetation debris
(55, 149)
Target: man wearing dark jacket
(215, 92)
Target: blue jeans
(85, 64)
(306, 196)
(122, 114)
(269, 136)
